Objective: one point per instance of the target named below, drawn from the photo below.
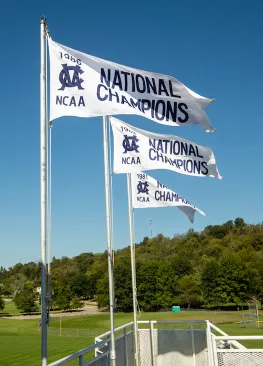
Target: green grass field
(11, 309)
(20, 339)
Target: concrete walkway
(86, 310)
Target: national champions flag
(86, 86)
(138, 150)
(148, 192)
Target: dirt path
(86, 310)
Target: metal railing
(232, 353)
(177, 343)
(77, 355)
(124, 344)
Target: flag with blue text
(148, 192)
(86, 86)
(138, 150)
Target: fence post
(125, 347)
(209, 344)
(81, 360)
(213, 341)
(152, 343)
(193, 343)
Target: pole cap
(43, 19)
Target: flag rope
(136, 292)
(49, 182)
(111, 190)
(49, 221)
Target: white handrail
(116, 330)
(251, 350)
(235, 343)
(170, 321)
(243, 338)
(75, 355)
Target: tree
(166, 285)
(102, 290)
(25, 300)
(123, 284)
(232, 280)
(209, 281)
(239, 222)
(2, 303)
(84, 261)
(181, 264)
(217, 231)
(147, 275)
(62, 298)
(80, 285)
(189, 290)
(76, 303)
(17, 282)
(228, 258)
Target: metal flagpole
(43, 188)
(109, 237)
(133, 269)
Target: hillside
(219, 266)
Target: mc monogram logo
(66, 81)
(130, 144)
(142, 187)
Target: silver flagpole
(43, 188)
(109, 237)
(133, 269)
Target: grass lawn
(20, 339)
(11, 309)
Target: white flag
(148, 192)
(86, 86)
(138, 150)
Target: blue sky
(215, 48)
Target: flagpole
(109, 237)
(43, 188)
(133, 269)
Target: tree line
(221, 265)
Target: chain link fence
(236, 358)
(178, 344)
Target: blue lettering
(131, 160)
(136, 104)
(191, 150)
(103, 77)
(152, 157)
(171, 90)
(186, 116)
(98, 93)
(124, 100)
(146, 105)
(81, 101)
(64, 100)
(151, 86)
(111, 94)
(162, 103)
(139, 88)
(117, 80)
(59, 99)
(72, 102)
(171, 112)
(162, 88)
(179, 163)
(204, 166)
